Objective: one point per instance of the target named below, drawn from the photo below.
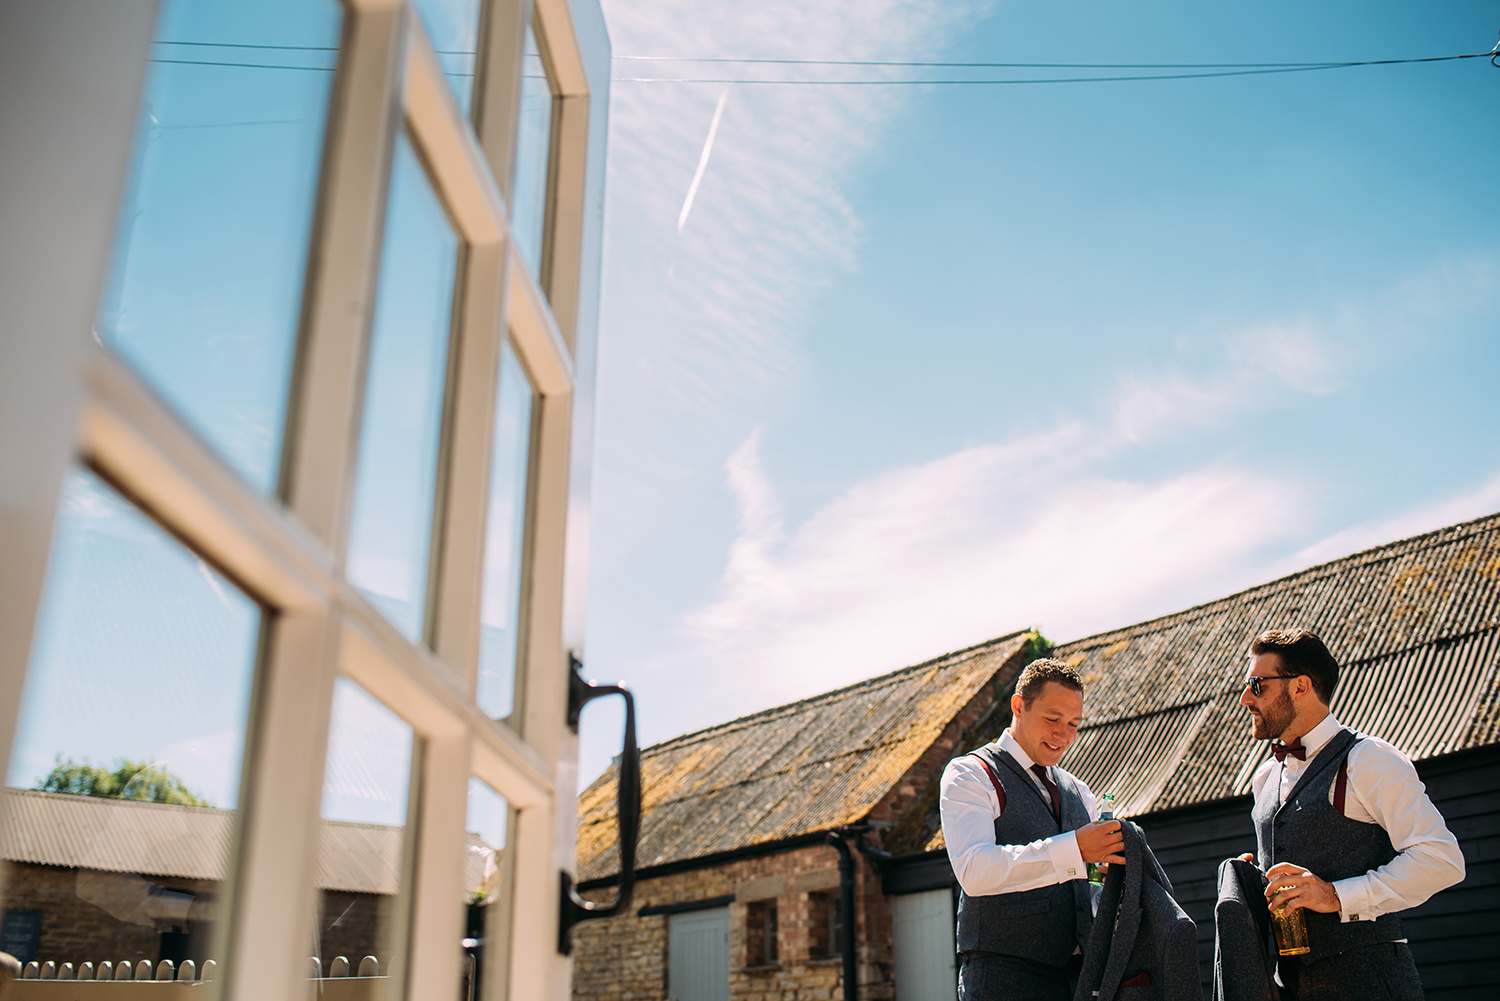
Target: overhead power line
(971, 65)
(1210, 70)
(243, 66)
(1190, 71)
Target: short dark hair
(1301, 652)
(1039, 672)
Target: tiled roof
(796, 769)
(1415, 626)
(161, 839)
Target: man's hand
(1101, 841)
(1293, 886)
(1247, 857)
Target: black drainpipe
(846, 913)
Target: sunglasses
(1256, 685)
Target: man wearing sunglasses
(1344, 827)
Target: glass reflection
(453, 28)
(205, 288)
(366, 794)
(505, 538)
(395, 487)
(125, 770)
(533, 155)
(486, 888)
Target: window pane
(533, 155)
(205, 287)
(505, 538)
(125, 772)
(487, 889)
(391, 534)
(453, 28)
(366, 792)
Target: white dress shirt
(970, 808)
(1383, 789)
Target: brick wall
(625, 958)
(351, 924)
(78, 930)
(92, 916)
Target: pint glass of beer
(1291, 931)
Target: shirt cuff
(1067, 862)
(1354, 900)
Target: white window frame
(66, 399)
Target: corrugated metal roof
(1415, 626)
(795, 769)
(115, 835)
(359, 858)
(1134, 759)
(163, 839)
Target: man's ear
(1303, 686)
(1017, 704)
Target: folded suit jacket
(1141, 935)
(1242, 935)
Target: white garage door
(924, 946)
(698, 956)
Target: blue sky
(926, 365)
(920, 366)
(142, 651)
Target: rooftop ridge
(115, 801)
(1454, 532)
(832, 695)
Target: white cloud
(1298, 353)
(1476, 503)
(760, 515)
(699, 327)
(945, 553)
(1144, 406)
(1261, 362)
(1033, 531)
(770, 221)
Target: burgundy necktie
(1295, 749)
(1041, 773)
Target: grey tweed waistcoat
(1044, 925)
(1308, 831)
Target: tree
(139, 780)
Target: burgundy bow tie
(1295, 749)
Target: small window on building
(825, 933)
(760, 933)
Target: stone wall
(625, 958)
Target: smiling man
(1344, 827)
(1019, 831)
